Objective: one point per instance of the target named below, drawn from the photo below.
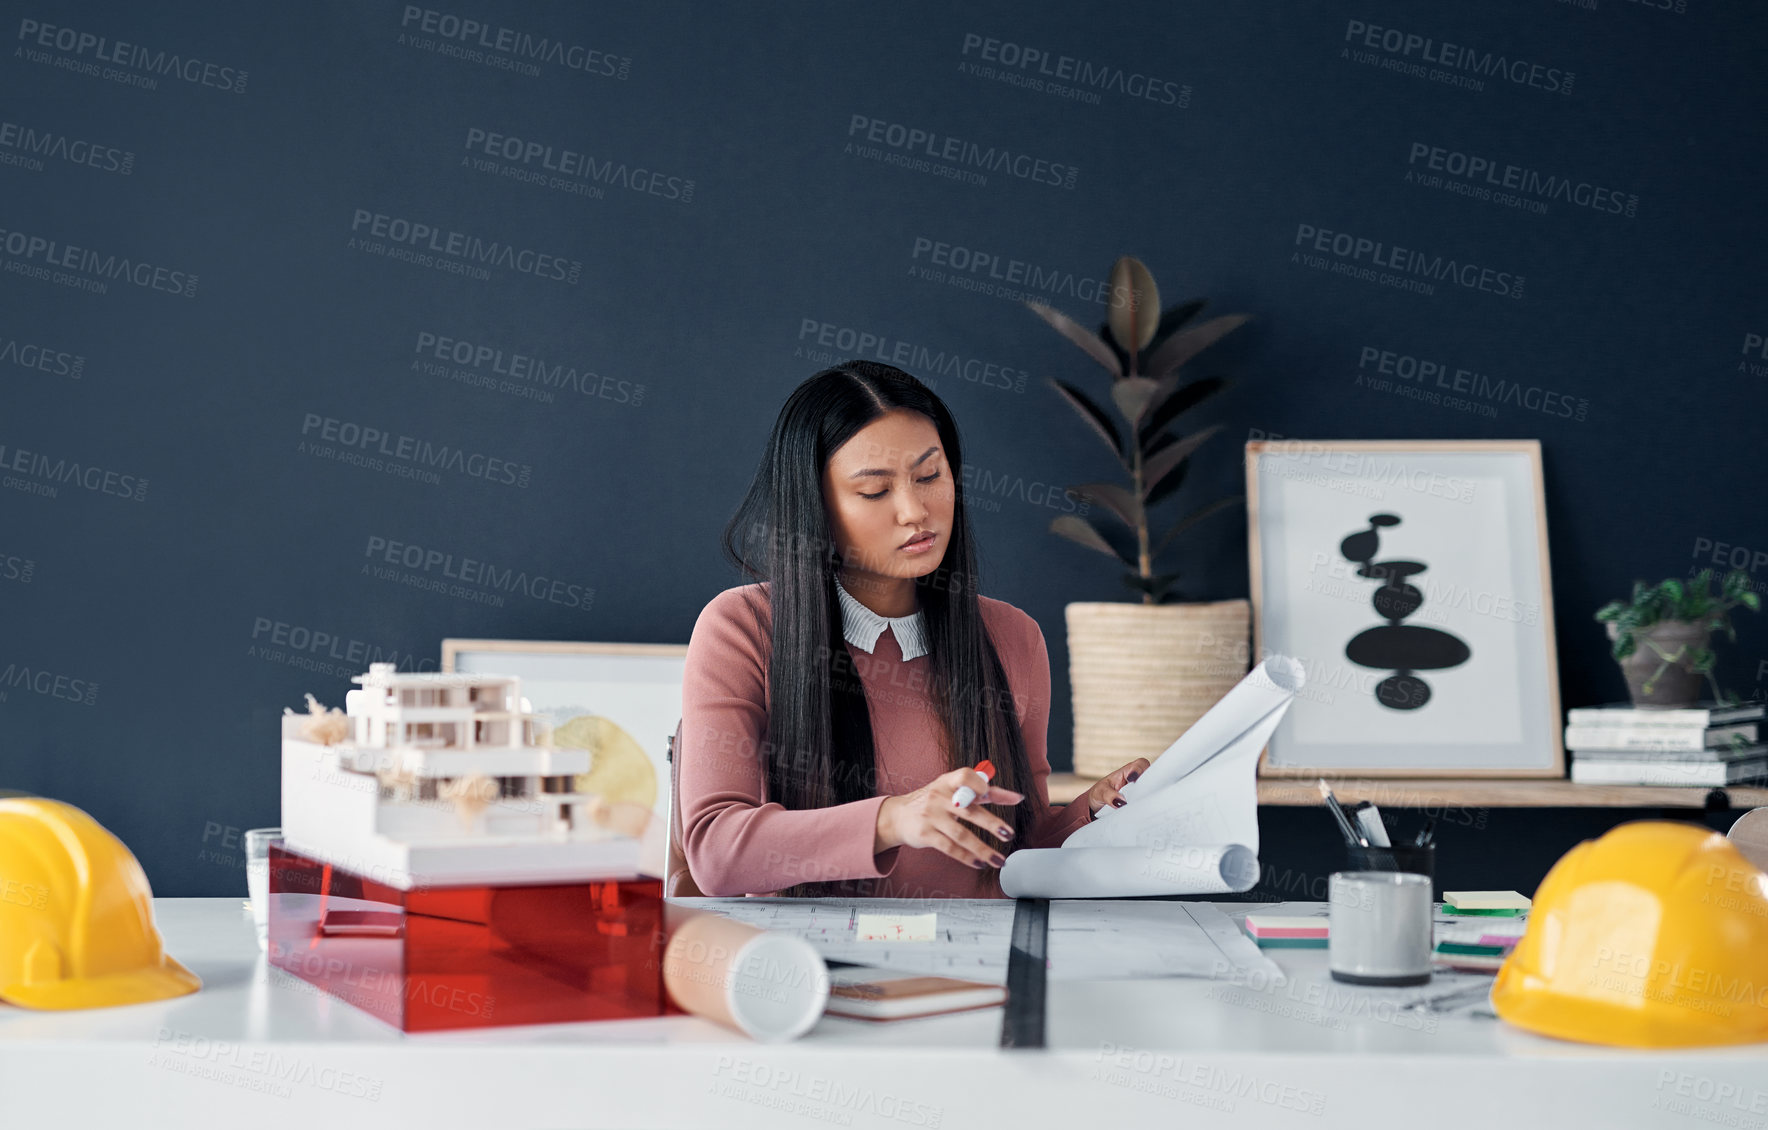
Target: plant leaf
(1168, 485)
(1083, 532)
(1186, 344)
(1197, 516)
(1171, 456)
(1133, 395)
(1174, 317)
(1180, 398)
(1154, 584)
(1673, 599)
(1135, 305)
(1092, 414)
(1153, 444)
(1080, 335)
(1114, 498)
(1168, 592)
(1080, 531)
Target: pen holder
(1400, 857)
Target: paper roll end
(1010, 874)
(777, 988)
(1285, 672)
(1240, 868)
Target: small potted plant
(1143, 671)
(1662, 636)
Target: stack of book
(1707, 745)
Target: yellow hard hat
(1654, 935)
(76, 914)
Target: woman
(832, 709)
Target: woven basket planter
(1143, 673)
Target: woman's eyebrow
(877, 472)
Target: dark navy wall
(291, 289)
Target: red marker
(966, 796)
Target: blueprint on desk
(1109, 939)
(1089, 939)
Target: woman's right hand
(927, 818)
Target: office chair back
(678, 881)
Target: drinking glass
(258, 841)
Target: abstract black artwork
(1404, 648)
(1453, 674)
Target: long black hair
(818, 749)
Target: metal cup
(1379, 925)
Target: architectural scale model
(438, 779)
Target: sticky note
(1286, 926)
(895, 927)
(1485, 900)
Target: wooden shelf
(1450, 792)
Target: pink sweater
(736, 842)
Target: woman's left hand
(1105, 789)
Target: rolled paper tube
(768, 985)
(1122, 872)
(1267, 688)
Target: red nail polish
(1116, 802)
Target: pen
(1424, 836)
(966, 796)
(1351, 836)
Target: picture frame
(622, 701)
(1412, 580)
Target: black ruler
(1023, 1024)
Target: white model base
(337, 815)
(509, 863)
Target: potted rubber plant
(1663, 636)
(1144, 671)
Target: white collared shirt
(861, 626)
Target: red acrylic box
(479, 956)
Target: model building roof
(385, 675)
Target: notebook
(362, 923)
(884, 994)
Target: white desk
(257, 1048)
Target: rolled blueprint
(1266, 688)
(1204, 788)
(1117, 872)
